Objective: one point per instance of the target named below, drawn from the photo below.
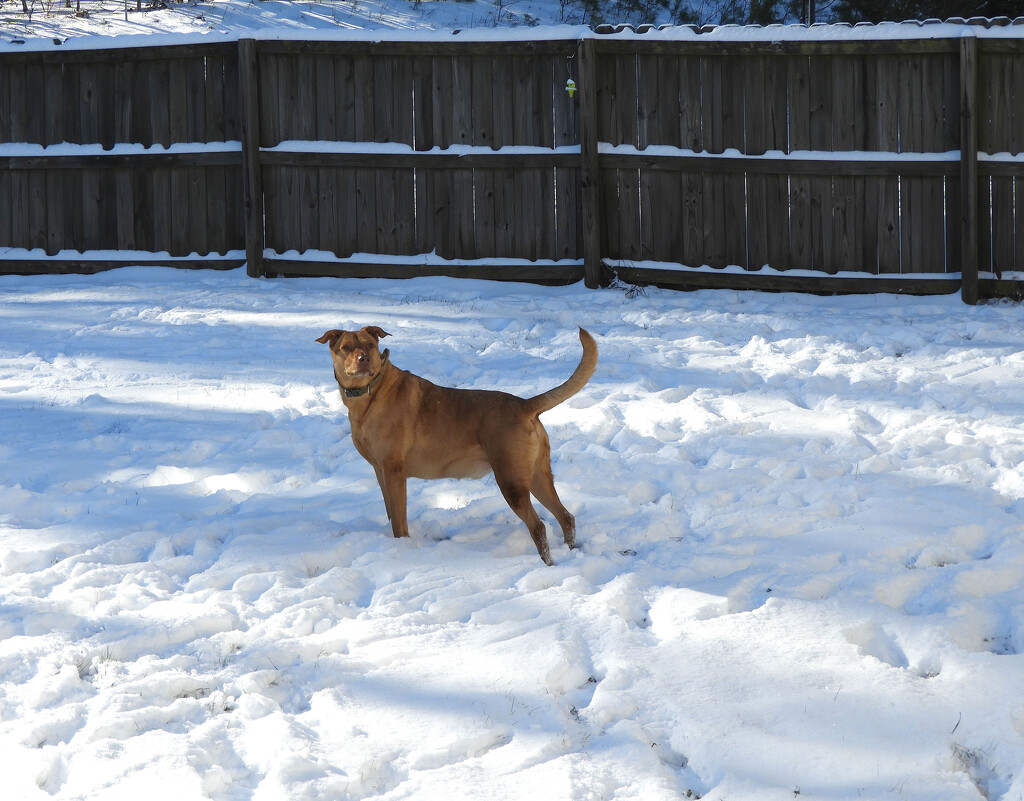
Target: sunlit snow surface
(108, 18)
(801, 566)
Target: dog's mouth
(362, 372)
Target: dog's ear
(376, 331)
(330, 337)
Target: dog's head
(357, 359)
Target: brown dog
(406, 426)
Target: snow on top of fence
(28, 149)
(766, 271)
(47, 44)
(142, 256)
(431, 259)
(1001, 27)
(778, 155)
(929, 29)
(399, 148)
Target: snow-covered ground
(113, 18)
(801, 571)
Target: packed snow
(800, 572)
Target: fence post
(249, 96)
(590, 184)
(969, 169)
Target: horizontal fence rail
(776, 159)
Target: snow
(608, 149)
(400, 149)
(141, 256)
(800, 569)
(29, 150)
(771, 272)
(800, 573)
(431, 259)
(110, 24)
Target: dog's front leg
(383, 490)
(392, 483)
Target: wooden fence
(118, 168)
(822, 156)
(682, 158)
(467, 152)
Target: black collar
(374, 382)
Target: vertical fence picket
(761, 214)
(969, 211)
(6, 202)
(252, 173)
(590, 196)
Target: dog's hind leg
(543, 490)
(517, 495)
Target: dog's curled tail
(579, 378)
